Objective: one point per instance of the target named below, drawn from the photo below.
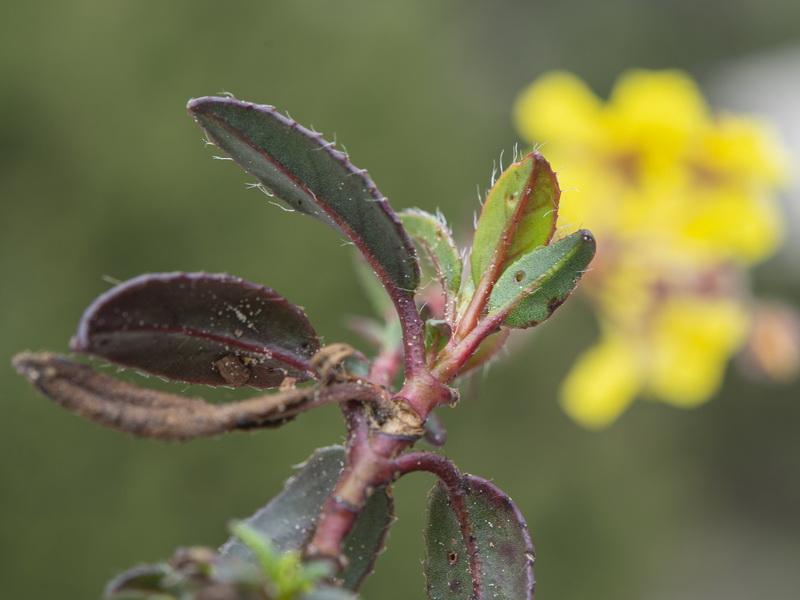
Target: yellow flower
(681, 201)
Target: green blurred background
(104, 174)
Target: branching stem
(369, 464)
(386, 365)
(413, 334)
(457, 353)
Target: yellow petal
(671, 194)
(602, 383)
(736, 224)
(660, 112)
(692, 341)
(558, 106)
(745, 149)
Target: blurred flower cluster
(682, 202)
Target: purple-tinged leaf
(477, 544)
(200, 328)
(366, 540)
(289, 519)
(308, 174)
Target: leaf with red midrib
(211, 329)
(476, 544)
(303, 170)
(519, 214)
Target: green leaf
(285, 571)
(289, 519)
(357, 365)
(308, 174)
(267, 557)
(502, 565)
(519, 214)
(437, 334)
(537, 283)
(434, 241)
(464, 296)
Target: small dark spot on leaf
(455, 585)
(233, 371)
(519, 276)
(452, 557)
(553, 304)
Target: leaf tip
(588, 237)
(27, 364)
(196, 105)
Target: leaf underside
(303, 170)
(203, 328)
(289, 519)
(503, 554)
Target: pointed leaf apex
(307, 173)
(537, 283)
(519, 214)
